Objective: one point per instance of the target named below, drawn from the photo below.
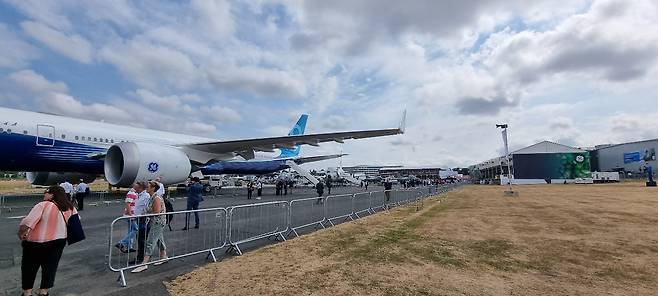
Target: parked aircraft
(54, 148)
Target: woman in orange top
(43, 236)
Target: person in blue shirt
(194, 198)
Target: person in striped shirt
(43, 238)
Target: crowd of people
(43, 233)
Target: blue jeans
(129, 238)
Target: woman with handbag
(155, 237)
(43, 233)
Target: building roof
(606, 146)
(547, 147)
(410, 168)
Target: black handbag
(74, 231)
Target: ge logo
(153, 167)
(580, 158)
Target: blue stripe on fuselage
(244, 167)
(20, 153)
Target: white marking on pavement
(16, 217)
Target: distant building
(420, 172)
(630, 157)
(544, 162)
(367, 170)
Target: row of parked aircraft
(53, 149)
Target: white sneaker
(257, 197)
(139, 269)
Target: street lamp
(509, 192)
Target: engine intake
(128, 162)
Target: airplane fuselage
(32, 141)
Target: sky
(580, 73)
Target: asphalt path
(83, 269)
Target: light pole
(509, 192)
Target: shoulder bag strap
(61, 212)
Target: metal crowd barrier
(209, 237)
(257, 221)
(233, 226)
(338, 207)
(361, 204)
(306, 212)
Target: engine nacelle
(126, 163)
(54, 178)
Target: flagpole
(510, 192)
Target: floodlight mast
(504, 126)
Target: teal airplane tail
(297, 129)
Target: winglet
(403, 122)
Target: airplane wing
(302, 160)
(247, 147)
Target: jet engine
(53, 178)
(128, 162)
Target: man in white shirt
(68, 188)
(141, 205)
(80, 194)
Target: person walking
(285, 187)
(259, 188)
(43, 235)
(80, 194)
(194, 198)
(319, 188)
(366, 184)
(250, 189)
(156, 228)
(125, 245)
(278, 187)
(68, 189)
(388, 186)
(141, 205)
(328, 185)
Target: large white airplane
(54, 148)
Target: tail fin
(296, 130)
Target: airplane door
(45, 135)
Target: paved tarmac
(83, 269)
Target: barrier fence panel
(361, 204)
(377, 201)
(338, 207)
(306, 212)
(124, 248)
(257, 221)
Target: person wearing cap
(194, 198)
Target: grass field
(552, 240)
(21, 186)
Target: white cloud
(222, 114)
(216, 16)
(73, 46)
(35, 83)
(258, 81)
(16, 53)
(151, 65)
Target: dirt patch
(552, 240)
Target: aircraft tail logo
(296, 130)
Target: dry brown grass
(21, 186)
(552, 240)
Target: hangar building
(544, 162)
